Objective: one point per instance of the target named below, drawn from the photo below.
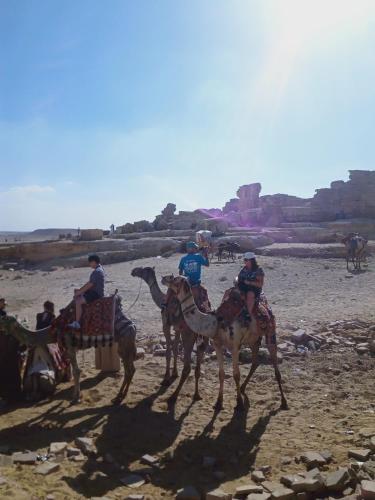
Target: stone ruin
(342, 200)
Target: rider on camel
(190, 266)
(251, 280)
(91, 291)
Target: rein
(137, 297)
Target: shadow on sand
(127, 433)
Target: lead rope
(136, 299)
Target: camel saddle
(233, 306)
(174, 312)
(97, 323)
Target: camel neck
(199, 322)
(158, 296)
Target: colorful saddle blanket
(97, 323)
(233, 306)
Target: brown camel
(223, 336)
(171, 315)
(125, 334)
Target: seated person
(251, 280)
(191, 267)
(91, 291)
(39, 377)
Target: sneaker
(75, 325)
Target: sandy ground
(326, 400)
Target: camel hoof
(172, 400)
(240, 405)
(284, 405)
(218, 406)
(197, 397)
(116, 401)
(166, 382)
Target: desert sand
(330, 393)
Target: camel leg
(72, 353)
(127, 352)
(237, 376)
(220, 359)
(188, 340)
(167, 333)
(200, 357)
(272, 348)
(175, 353)
(254, 366)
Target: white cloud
(32, 189)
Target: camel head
(178, 284)
(8, 324)
(145, 273)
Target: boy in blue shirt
(191, 265)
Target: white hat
(249, 255)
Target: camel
(125, 334)
(172, 316)
(355, 249)
(230, 337)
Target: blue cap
(191, 244)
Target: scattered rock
(367, 432)
(58, 448)
(188, 493)
(160, 352)
(141, 353)
(135, 497)
(337, 481)
(73, 452)
(28, 458)
(6, 461)
(3, 481)
(327, 455)
(259, 496)
(286, 460)
(218, 494)
(149, 460)
(312, 459)
(299, 337)
(368, 490)
(258, 476)
(47, 468)
(372, 444)
(282, 494)
(270, 485)
(306, 485)
(247, 489)
(133, 481)
(361, 455)
(86, 445)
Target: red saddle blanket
(97, 322)
(233, 305)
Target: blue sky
(109, 110)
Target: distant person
(91, 291)
(112, 228)
(78, 232)
(10, 364)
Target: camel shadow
(232, 453)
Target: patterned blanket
(97, 323)
(233, 306)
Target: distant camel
(171, 315)
(355, 250)
(231, 337)
(228, 249)
(125, 334)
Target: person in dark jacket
(45, 318)
(10, 364)
(250, 280)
